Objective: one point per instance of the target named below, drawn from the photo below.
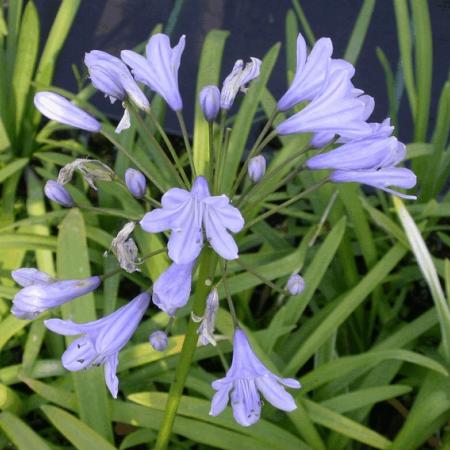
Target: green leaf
(75, 431)
(405, 47)
(345, 308)
(73, 262)
(290, 313)
(364, 397)
(23, 437)
(359, 31)
(424, 66)
(429, 412)
(344, 365)
(27, 51)
(304, 22)
(208, 73)
(345, 426)
(428, 270)
(10, 326)
(268, 435)
(12, 168)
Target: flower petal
(110, 369)
(219, 401)
(28, 276)
(275, 393)
(80, 354)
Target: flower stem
(259, 144)
(207, 266)
(169, 145)
(187, 144)
(283, 205)
(212, 155)
(122, 149)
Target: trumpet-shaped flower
(237, 80)
(247, 376)
(310, 74)
(361, 154)
(325, 137)
(172, 289)
(380, 179)
(41, 292)
(112, 77)
(187, 213)
(56, 107)
(101, 340)
(334, 111)
(159, 68)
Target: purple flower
(323, 138)
(101, 340)
(56, 107)
(58, 193)
(366, 153)
(187, 213)
(172, 289)
(295, 284)
(136, 182)
(158, 340)
(335, 111)
(41, 292)
(112, 77)
(247, 376)
(209, 98)
(237, 80)
(159, 69)
(310, 74)
(256, 168)
(380, 179)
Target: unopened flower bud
(210, 102)
(56, 107)
(257, 168)
(58, 193)
(136, 182)
(295, 284)
(159, 340)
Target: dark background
(254, 25)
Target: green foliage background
(369, 338)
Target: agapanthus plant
(201, 222)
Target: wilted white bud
(159, 340)
(210, 102)
(237, 80)
(90, 169)
(125, 248)
(206, 328)
(256, 168)
(295, 285)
